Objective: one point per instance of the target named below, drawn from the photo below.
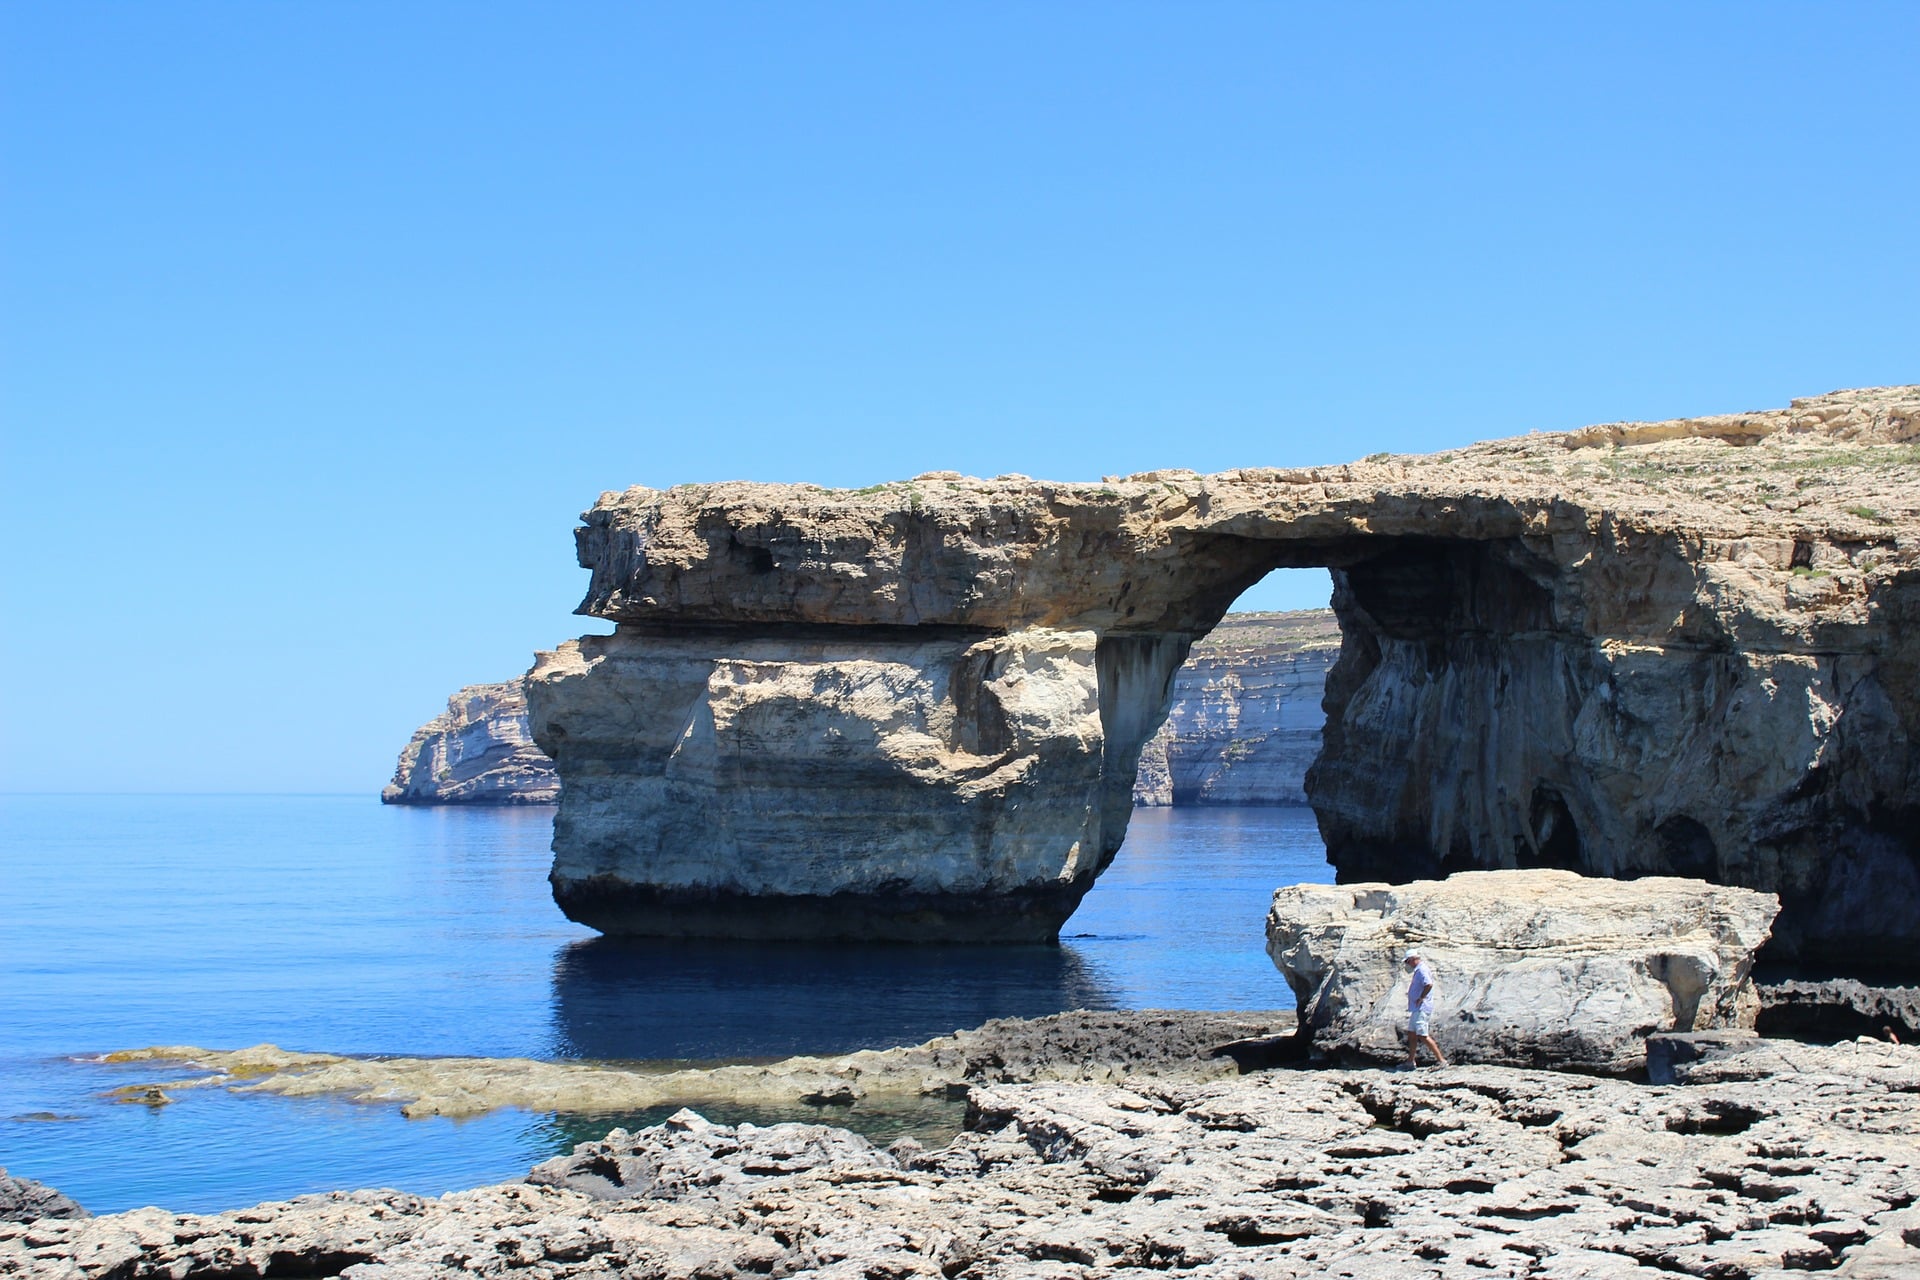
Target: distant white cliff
(1244, 726)
(478, 751)
(1246, 719)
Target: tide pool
(332, 923)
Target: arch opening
(1244, 713)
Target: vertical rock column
(910, 786)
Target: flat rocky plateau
(1766, 1157)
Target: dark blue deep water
(336, 924)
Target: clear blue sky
(323, 321)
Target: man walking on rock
(1420, 991)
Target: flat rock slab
(1080, 1044)
(1534, 968)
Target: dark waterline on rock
(329, 923)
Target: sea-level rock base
(613, 906)
(1083, 1045)
(1785, 1159)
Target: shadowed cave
(1472, 723)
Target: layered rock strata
(1782, 1159)
(478, 751)
(916, 711)
(1243, 727)
(1534, 968)
(1244, 716)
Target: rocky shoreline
(1764, 1157)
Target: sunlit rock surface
(1244, 722)
(478, 751)
(1773, 1161)
(1244, 726)
(1532, 968)
(916, 711)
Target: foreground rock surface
(1534, 968)
(1672, 648)
(1788, 1159)
(478, 751)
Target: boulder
(24, 1200)
(689, 1157)
(1534, 968)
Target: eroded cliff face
(1244, 722)
(916, 711)
(1243, 727)
(480, 750)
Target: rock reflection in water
(627, 998)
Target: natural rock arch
(915, 712)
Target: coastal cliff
(1243, 728)
(916, 711)
(480, 750)
(1243, 723)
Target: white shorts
(1420, 1022)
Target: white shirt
(1420, 987)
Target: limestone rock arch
(914, 712)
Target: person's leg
(1413, 1039)
(1440, 1059)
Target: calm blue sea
(336, 924)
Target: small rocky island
(1243, 727)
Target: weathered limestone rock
(1681, 648)
(1244, 720)
(893, 787)
(1839, 1009)
(479, 751)
(1080, 1045)
(1534, 968)
(1244, 725)
(688, 1158)
(1470, 1172)
(24, 1200)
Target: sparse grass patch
(1876, 456)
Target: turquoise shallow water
(334, 923)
